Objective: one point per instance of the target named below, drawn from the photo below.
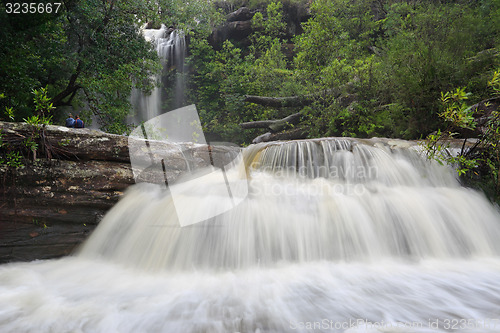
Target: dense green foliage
(397, 57)
(477, 164)
(389, 59)
(89, 56)
(392, 68)
(399, 67)
(223, 77)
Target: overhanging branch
(70, 89)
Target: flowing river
(336, 235)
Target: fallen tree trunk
(278, 102)
(341, 94)
(300, 100)
(274, 125)
(292, 101)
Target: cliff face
(51, 204)
(238, 24)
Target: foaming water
(357, 203)
(334, 236)
(78, 295)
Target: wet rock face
(242, 14)
(50, 205)
(238, 25)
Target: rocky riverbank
(51, 204)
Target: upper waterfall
(170, 45)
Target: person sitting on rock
(78, 122)
(70, 122)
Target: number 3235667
(32, 8)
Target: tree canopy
(393, 58)
(294, 68)
(365, 67)
(90, 54)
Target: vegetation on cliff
(390, 60)
(88, 55)
(323, 68)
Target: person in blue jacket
(78, 122)
(70, 122)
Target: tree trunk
(280, 102)
(70, 89)
(300, 100)
(274, 125)
(293, 119)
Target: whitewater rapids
(332, 236)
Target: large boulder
(242, 14)
(238, 24)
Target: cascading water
(337, 235)
(171, 48)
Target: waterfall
(335, 235)
(171, 48)
(338, 200)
